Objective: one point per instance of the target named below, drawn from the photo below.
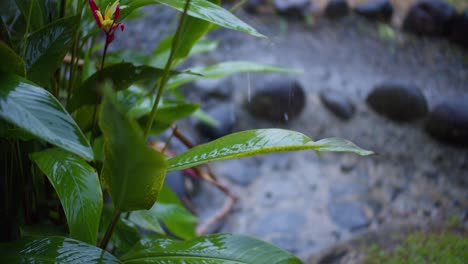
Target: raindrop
(286, 117)
(249, 88)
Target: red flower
(107, 21)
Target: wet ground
(305, 203)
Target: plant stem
(28, 24)
(165, 78)
(110, 229)
(93, 128)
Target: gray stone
(281, 99)
(337, 8)
(294, 9)
(241, 172)
(348, 189)
(429, 17)
(338, 104)
(280, 221)
(224, 114)
(217, 88)
(375, 9)
(458, 31)
(398, 102)
(348, 215)
(448, 121)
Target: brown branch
(218, 216)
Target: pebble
(448, 121)
(458, 32)
(375, 9)
(338, 104)
(293, 9)
(280, 100)
(348, 215)
(398, 102)
(337, 8)
(429, 17)
(224, 114)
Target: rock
(429, 17)
(448, 121)
(241, 172)
(219, 88)
(176, 182)
(254, 6)
(398, 102)
(337, 8)
(285, 221)
(295, 9)
(348, 215)
(458, 31)
(375, 9)
(224, 114)
(280, 99)
(337, 104)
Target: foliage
(423, 247)
(74, 125)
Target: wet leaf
(224, 69)
(253, 142)
(213, 13)
(219, 248)
(132, 172)
(125, 234)
(78, 188)
(15, 63)
(38, 112)
(53, 250)
(46, 49)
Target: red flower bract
(107, 20)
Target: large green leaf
(38, 112)
(219, 248)
(224, 69)
(253, 142)
(192, 30)
(132, 172)
(78, 188)
(213, 13)
(169, 210)
(53, 250)
(122, 75)
(38, 18)
(46, 49)
(15, 63)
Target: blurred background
(389, 75)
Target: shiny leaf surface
(253, 142)
(15, 63)
(38, 112)
(46, 49)
(53, 250)
(213, 13)
(224, 69)
(132, 172)
(78, 188)
(219, 248)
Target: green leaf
(219, 248)
(177, 219)
(192, 30)
(15, 63)
(171, 212)
(125, 234)
(38, 112)
(53, 250)
(253, 142)
(213, 13)
(122, 75)
(225, 68)
(78, 188)
(38, 17)
(132, 172)
(46, 49)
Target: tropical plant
(77, 171)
